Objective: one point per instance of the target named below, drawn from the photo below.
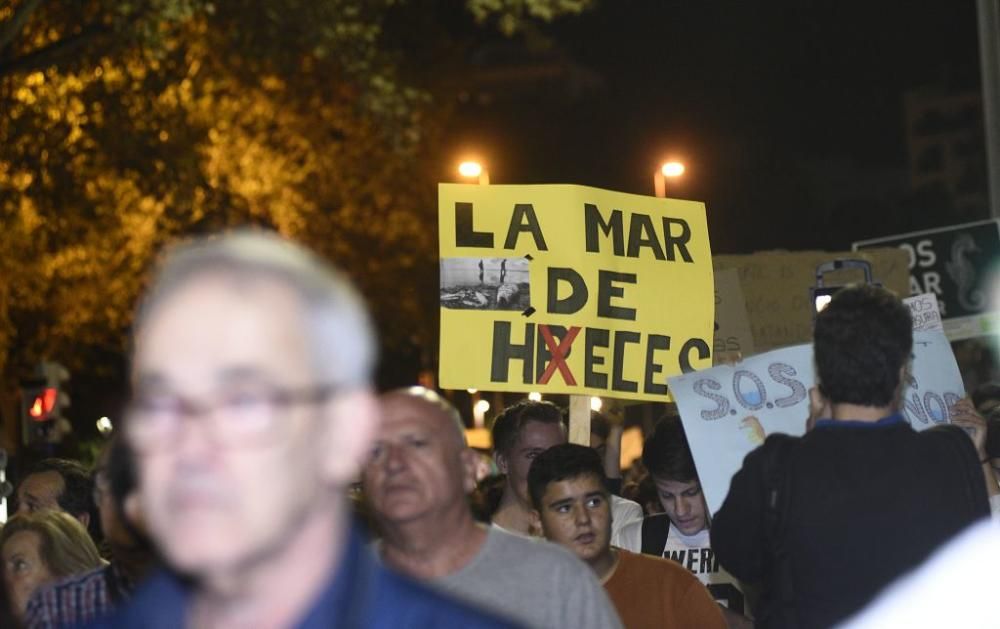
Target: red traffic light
(43, 404)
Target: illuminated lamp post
(471, 169)
(666, 169)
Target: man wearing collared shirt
(822, 523)
(252, 412)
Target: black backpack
(655, 529)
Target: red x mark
(558, 354)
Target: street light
(472, 169)
(479, 413)
(667, 169)
(104, 426)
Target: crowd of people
(259, 481)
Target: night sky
(788, 114)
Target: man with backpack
(823, 522)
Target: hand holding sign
(964, 414)
(754, 431)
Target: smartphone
(820, 294)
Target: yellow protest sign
(570, 289)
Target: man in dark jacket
(823, 522)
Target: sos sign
(951, 262)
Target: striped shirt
(78, 600)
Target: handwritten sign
(925, 312)
(733, 338)
(570, 289)
(728, 410)
(776, 288)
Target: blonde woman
(41, 548)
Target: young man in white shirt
(681, 533)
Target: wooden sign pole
(579, 419)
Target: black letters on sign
(595, 337)
(641, 234)
(524, 220)
(618, 381)
(504, 351)
(656, 341)
(685, 356)
(606, 290)
(679, 242)
(613, 227)
(465, 233)
(577, 297)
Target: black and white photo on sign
(485, 283)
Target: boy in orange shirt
(572, 508)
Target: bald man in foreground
(418, 479)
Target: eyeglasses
(234, 418)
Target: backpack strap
(655, 529)
(778, 489)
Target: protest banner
(776, 287)
(728, 410)
(733, 339)
(958, 264)
(925, 312)
(571, 289)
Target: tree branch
(10, 30)
(51, 54)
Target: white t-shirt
(623, 512)
(695, 553)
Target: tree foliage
(128, 123)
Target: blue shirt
(891, 420)
(361, 593)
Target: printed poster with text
(571, 289)
(728, 410)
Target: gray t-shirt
(533, 582)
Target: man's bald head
(431, 402)
(421, 468)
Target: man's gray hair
(339, 328)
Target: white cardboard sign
(728, 410)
